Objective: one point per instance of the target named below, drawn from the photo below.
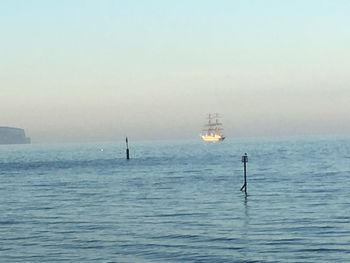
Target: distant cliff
(9, 135)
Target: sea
(177, 201)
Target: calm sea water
(176, 201)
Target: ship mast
(213, 127)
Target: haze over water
(97, 70)
(87, 71)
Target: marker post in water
(127, 149)
(245, 160)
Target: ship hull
(212, 138)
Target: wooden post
(127, 149)
(244, 161)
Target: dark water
(176, 201)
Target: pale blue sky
(77, 70)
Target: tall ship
(213, 129)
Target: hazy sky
(98, 70)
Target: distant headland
(10, 135)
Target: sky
(88, 70)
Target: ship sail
(212, 132)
